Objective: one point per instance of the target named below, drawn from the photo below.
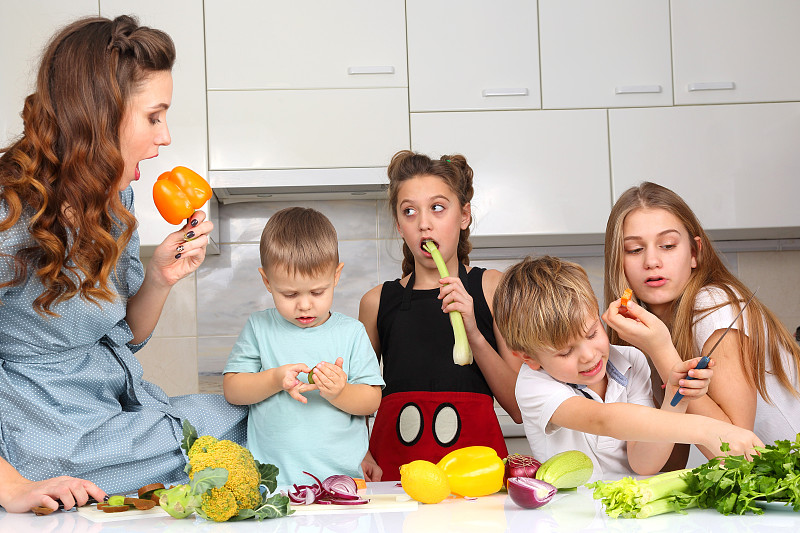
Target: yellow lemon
(424, 481)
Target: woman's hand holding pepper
(182, 251)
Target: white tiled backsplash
(205, 312)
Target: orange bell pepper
(179, 192)
(473, 471)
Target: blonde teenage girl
(656, 246)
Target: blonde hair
(543, 303)
(452, 169)
(766, 335)
(300, 239)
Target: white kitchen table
(568, 512)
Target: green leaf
(269, 476)
(274, 507)
(244, 514)
(207, 479)
(189, 436)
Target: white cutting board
(91, 512)
(377, 503)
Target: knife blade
(707, 358)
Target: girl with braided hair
(76, 303)
(430, 405)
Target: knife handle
(702, 363)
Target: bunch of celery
(462, 354)
(632, 498)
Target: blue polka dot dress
(72, 398)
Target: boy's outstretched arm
(632, 422)
(354, 398)
(648, 458)
(245, 388)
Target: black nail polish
(189, 235)
(195, 222)
(177, 256)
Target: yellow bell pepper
(473, 471)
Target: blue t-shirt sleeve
(245, 355)
(364, 367)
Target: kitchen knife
(707, 358)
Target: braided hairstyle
(452, 169)
(65, 169)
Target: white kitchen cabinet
(737, 166)
(614, 53)
(183, 21)
(729, 51)
(326, 128)
(25, 28)
(536, 173)
(472, 54)
(305, 44)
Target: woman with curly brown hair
(75, 300)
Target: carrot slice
(626, 297)
(360, 483)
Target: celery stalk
(462, 354)
(635, 498)
(664, 505)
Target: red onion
(530, 493)
(336, 489)
(518, 465)
(341, 487)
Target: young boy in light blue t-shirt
(314, 424)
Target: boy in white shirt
(578, 392)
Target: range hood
(232, 186)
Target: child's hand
(638, 326)
(454, 297)
(294, 386)
(741, 441)
(690, 388)
(330, 379)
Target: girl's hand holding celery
(462, 353)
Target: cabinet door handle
(505, 92)
(370, 70)
(711, 86)
(637, 89)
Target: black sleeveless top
(417, 339)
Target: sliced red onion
(304, 494)
(530, 493)
(336, 489)
(341, 487)
(518, 465)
